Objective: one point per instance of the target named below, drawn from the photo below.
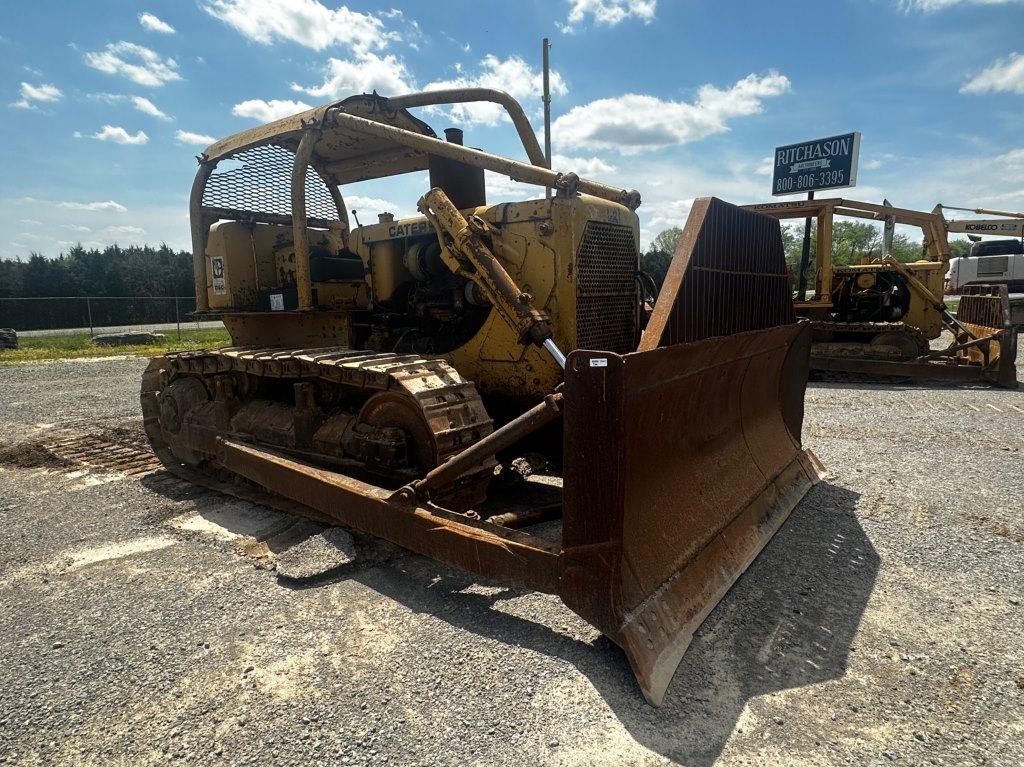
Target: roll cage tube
(300, 233)
(566, 183)
(200, 229)
(469, 95)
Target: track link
(869, 330)
(450, 405)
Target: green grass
(55, 347)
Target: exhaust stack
(464, 184)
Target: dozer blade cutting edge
(681, 459)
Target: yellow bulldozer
(395, 377)
(879, 317)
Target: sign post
(805, 257)
(825, 163)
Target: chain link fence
(99, 314)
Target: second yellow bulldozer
(403, 377)
(879, 317)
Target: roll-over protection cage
(293, 169)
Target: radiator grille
(606, 264)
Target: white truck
(994, 262)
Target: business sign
(825, 163)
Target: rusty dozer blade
(684, 458)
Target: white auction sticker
(217, 268)
(599, 362)
(276, 302)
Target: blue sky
(107, 103)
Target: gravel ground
(882, 625)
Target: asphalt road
(161, 327)
(882, 625)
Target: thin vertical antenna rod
(547, 113)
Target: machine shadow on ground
(788, 622)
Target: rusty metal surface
(290, 328)
(482, 452)
(287, 132)
(477, 547)
(686, 460)
(686, 454)
(727, 276)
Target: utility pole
(805, 258)
(547, 113)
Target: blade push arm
(464, 238)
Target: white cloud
(31, 222)
(665, 214)
(363, 73)
(108, 98)
(583, 166)
(370, 206)
(306, 22)
(876, 162)
(465, 47)
(44, 92)
(119, 135)
(512, 75)
(34, 94)
(109, 206)
(188, 137)
(501, 188)
(141, 103)
(125, 229)
(75, 227)
(136, 62)
(929, 6)
(1014, 157)
(146, 106)
(153, 24)
(607, 12)
(635, 122)
(266, 111)
(1003, 76)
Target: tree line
(851, 241)
(138, 272)
(113, 271)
